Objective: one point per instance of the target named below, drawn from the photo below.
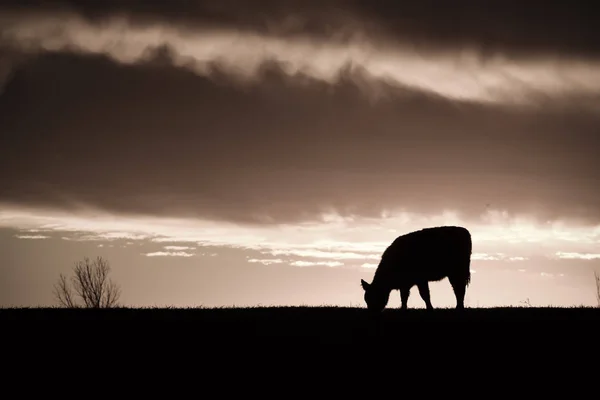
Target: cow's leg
(459, 285)
(424, 292)
(404, 294)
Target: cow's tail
(468, 280)
(470, 245)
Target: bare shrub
(90, 284)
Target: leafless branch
(63, 293)
(91, 284)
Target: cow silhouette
(420, 257)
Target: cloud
(127, 108)
(339, 242)
(464, 74)
(32, 236)
(179, 248)
(268, 261)
(136, 141)
(496, 257)
(580, 256)
(325, 254)
(314, 263)
(507, 26)
(169, 254)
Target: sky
(240, 153)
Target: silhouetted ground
(308, 346)
(330, 324)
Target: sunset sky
(242, 153)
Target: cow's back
(430, 253)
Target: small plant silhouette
(526, 302)
(597, 279)
(90, 284)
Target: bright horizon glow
(332, 243)
(513, 258)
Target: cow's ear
(364, 284)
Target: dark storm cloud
(527, 28)
(154, 139)
(462, 52)
(131, 107)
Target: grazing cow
(418, 258)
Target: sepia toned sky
(266, 152)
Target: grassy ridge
(316, 322)
(263, 341)
(286, 349)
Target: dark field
(328, 324)
(315, 342)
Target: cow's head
(376, 299)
